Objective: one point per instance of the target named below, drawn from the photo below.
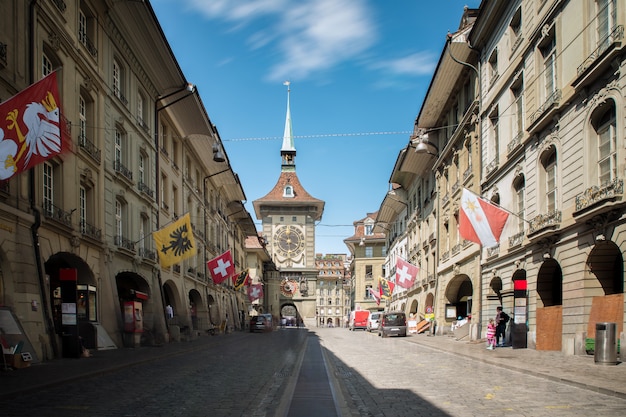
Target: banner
(175, 243)
(222, 267)
(31, 130)
(480, 221)
(240, 280)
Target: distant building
(368, 251)
(333, 291)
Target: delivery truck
(358, 319)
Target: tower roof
(298, 197)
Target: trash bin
(605, 349)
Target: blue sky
(358, 69)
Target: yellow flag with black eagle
(175, 242)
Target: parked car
(358, 319)
(262, 323)
(373, 321)
(392, 323)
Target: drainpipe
(45, 304)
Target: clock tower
(288, 214)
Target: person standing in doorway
(169, 311)
(501, 320)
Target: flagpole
(150, 233)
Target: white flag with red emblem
(406, 273)
(255, 292)
(480, 221)
(222, 267)
(375, 295)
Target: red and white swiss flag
(255, 292)
(480, 221)
(405, 273)
(222, 267)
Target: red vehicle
(358, 319)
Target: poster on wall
(450, 312)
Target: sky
(358, 72)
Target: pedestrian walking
(491, 335)
(501, 320)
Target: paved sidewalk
(580, 371)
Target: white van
(372, 321)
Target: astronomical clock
(289, 242)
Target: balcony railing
(515, 143)
(554, 98)
(90, 230)
(57, 213)
(91, 48)
(122, 242)
(120, 168)
(147, 254)
(143, 188)
(3, 54)
(492, 166)
(616, 35)
(142, 124)
(493, 251)
(119, 95)
(545, 220)
(595, 194)
(60, 5)
(89, 147)
(516, 43)
(516, 239)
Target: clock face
(289, 241)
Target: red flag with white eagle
(481, 221)
(406, 273)
(31, 128)
(222, 267)
(255, 292)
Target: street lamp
(424, 146)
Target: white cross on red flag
(222, 267)
(255, 292)
(405, 273)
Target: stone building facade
(142, 153)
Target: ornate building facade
(142, 153)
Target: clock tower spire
(288, 151)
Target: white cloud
(309, 35)
(417, 64)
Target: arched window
(519, 186)
(550, 178)
(604, 125)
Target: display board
(12, 333)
